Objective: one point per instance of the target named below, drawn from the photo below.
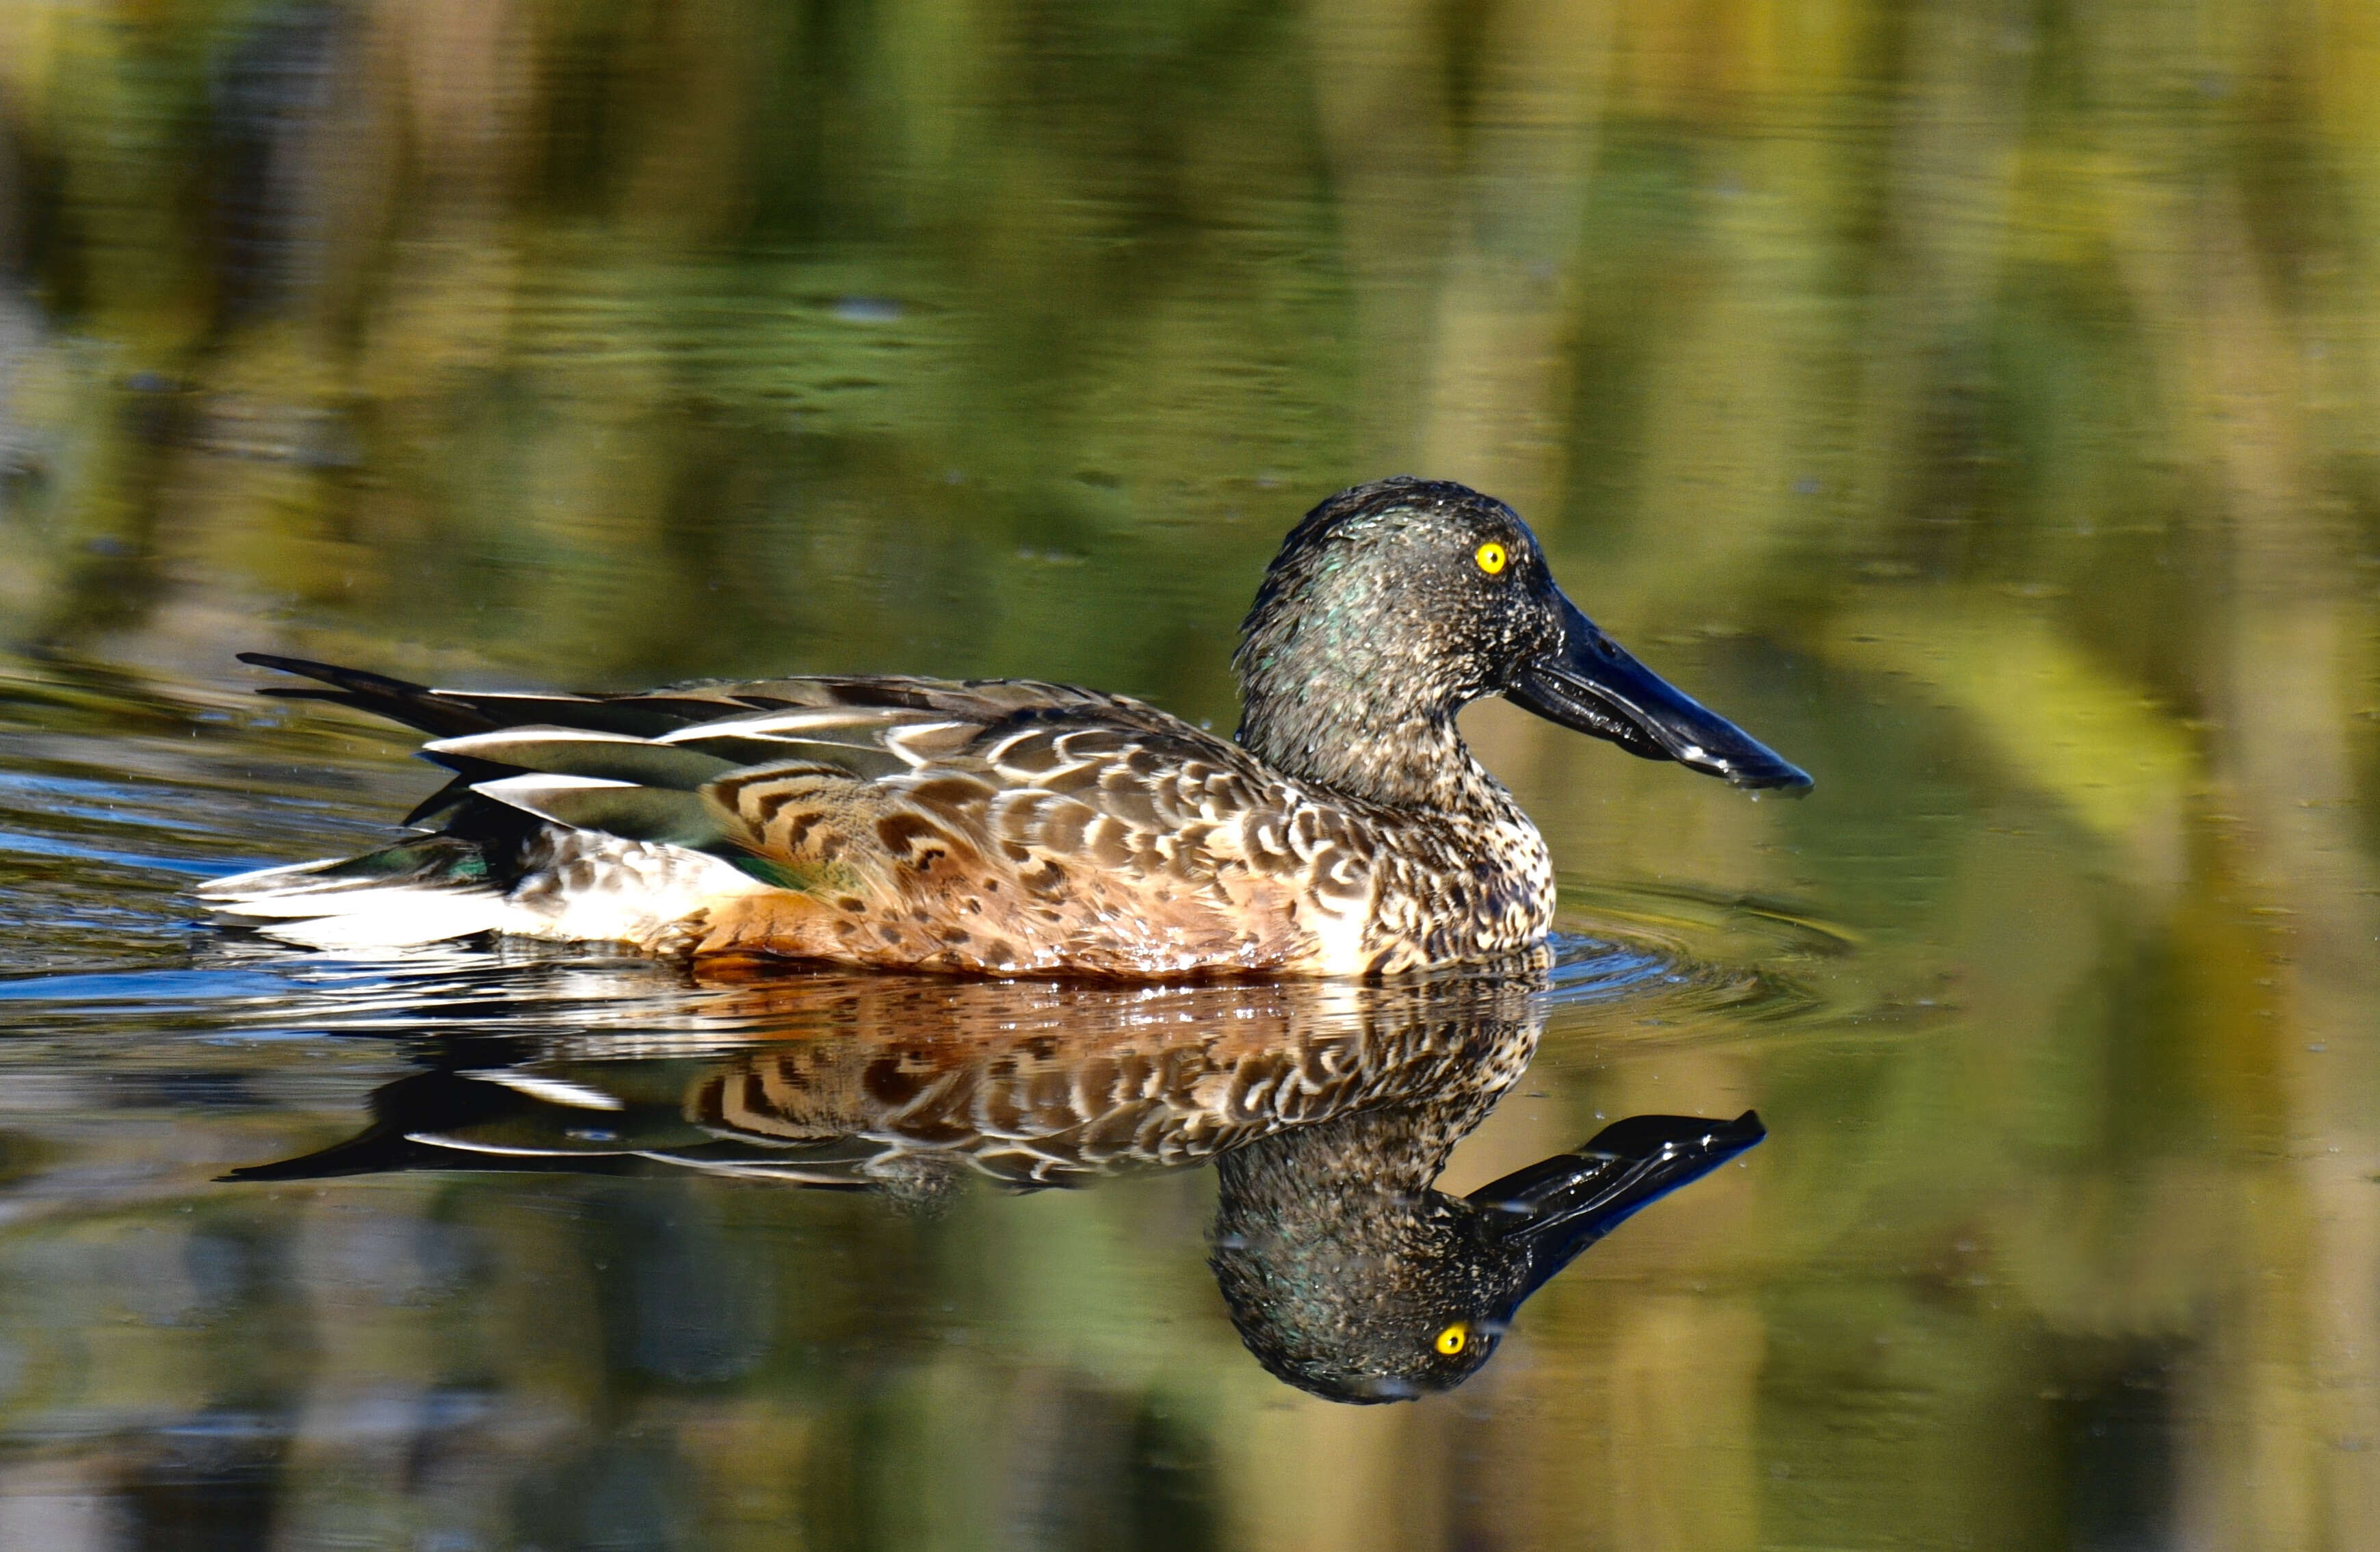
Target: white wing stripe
(897, 740)
(480, 743)
(523, 792)
(799, 720)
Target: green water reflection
(1980, 401)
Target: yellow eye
(1491, 558)
(1457, 1336)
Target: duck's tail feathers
(415, 705)
(424, 889)
(541, 880)
(452, 714)
(568, 817)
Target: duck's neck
(1384, 1155)
(1365, 736)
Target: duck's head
(1353, 1289)
(1394, 604)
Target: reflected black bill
(1592, 685)
(1559, 1206)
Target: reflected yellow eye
(1491, 558)
(1457, 1336)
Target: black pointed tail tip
(400, 701)
(328, 673)
(378, 1151)
(304, 668)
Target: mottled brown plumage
(1010, 827)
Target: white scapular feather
(484, 744)
(801, 719)
(525, 792)
(898, 740)
(511, 789)
(470, 1145)
(553, 1090)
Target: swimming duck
(1010, 827)
(1328, 1111)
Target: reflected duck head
(1395, 604)
(1355, 1288)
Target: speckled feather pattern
(1111, 838)
(1110, 1082)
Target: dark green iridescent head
(1394, 604)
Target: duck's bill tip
(1777, 779)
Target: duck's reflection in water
(1329, 1109)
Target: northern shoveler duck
(1328, 1111)
(1008, 826)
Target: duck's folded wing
(674, 740)
(1044, 795)
(1053, 842)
